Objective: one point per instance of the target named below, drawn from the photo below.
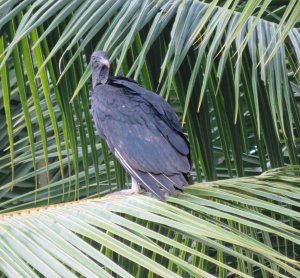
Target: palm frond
(247, 227)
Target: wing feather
(140, 177)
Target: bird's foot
(125, 192)
(135, 189)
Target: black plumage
(142, 131)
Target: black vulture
(141, 130)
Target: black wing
(158, 103)
(144, 140)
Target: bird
(141, 130)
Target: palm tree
(230, 69)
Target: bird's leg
(135, 188)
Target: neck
(95, 77)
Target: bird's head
(100, 67)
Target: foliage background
(230, 69)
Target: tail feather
(150, 184)
(182, 178)
(178, 180)
(165, 183)
(154, 182)
(141, 177)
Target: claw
(135, 189)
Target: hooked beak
(100, 71)
(105, 63)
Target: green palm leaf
(230, 227)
